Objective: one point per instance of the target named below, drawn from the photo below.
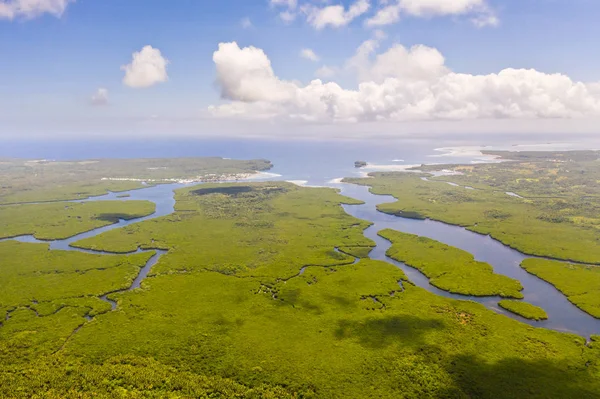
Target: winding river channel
(563, 316)
(163, 196)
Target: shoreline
(210, 178)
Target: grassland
(41, 180)
(448, 268)
(579, 283)
(56, 221)
(557, 216)
(252, 300)
(524, 309)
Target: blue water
(298, 160)
(318, 163)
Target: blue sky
(52, 64)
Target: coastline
(210, 178)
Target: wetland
(268, 289)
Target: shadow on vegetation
(292, 297)
(382, 332)
(232, 191)
(518, 378)
(338, 300)
(115, 217)
(401, 213)
(235, 191)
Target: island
(524, 309)
(360, 164)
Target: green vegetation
(547, 156)
(122, 377)
(347, 331)
(448, 268)
(263, 229)
(557, 218)
(524, 309)
(46, 295)
(41, 180)
(56, 221)
(579, 283)
(253, 301)
(357, 252)
(31, 273)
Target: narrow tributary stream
(563, 316)
(163, 196)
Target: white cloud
(246, 75)
(399, 85)
(11, 9)
(441, 7)
(386, 16)
(361, 60)
(100, 97)
(246, 23)
(287, 16)
(326, 72)
(391, 13)
(335, 16)
(414, 64)
(147, 68)
(291, 4)
(322, 13)
(486, 19)
(309, 54)
(379, 34)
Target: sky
(299, 68)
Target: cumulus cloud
(414, 64)
(246, 75)
(391, 13)
(11, 9)
(387, 15)
(100, 97)
(334, 15)
(309, 54)
(398, 85)
(147, 68)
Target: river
(563, 316)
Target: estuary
(563, 315)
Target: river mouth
(563, 315)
